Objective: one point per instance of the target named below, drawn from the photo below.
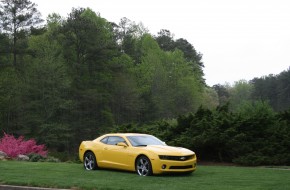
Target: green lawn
(64, 175)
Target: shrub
(51, 159)
(35, 157)
(14, 146)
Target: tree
(283, 89)
(166, 82)
(128, 35)
(4, 50)
(126, 102)
(167, 43)
(89, 47)
(16, 17)
(240, 93)
(273, 88)
(191, 56)
(265, 89)
(165, 40)
(210, 98)
(223, 93)
(11, 88)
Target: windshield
(144, 140)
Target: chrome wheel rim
(89, 162)
(143, 167)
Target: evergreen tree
(16, 17)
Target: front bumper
(168, 166)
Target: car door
(115, 156)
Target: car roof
(125, 134)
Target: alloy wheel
(143, 166)
(90, 161)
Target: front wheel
(90, 162)
(143, 166)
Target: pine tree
(16, 17)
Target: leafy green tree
(240, 92)
(4, 49)
(251, 145)
(265, 89)
(165, 40)
(210, 98)
(273, 88)
(189, 52)
(128, 35)
(191, 56)
(10, 100)
(47, 85)
(89, 47)
(126, 101)
(16, 17)
(223, 93)
(283, 91)
(166, 82)
(167, 43)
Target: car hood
(169, 150)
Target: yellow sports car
(142, 153)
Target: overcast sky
(239, 39)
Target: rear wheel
(143, 166)
(90, 161)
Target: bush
(13, 146)
(51, 159)
(35, 157)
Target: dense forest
(70, 79)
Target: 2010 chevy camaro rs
(142, 153)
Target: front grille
(176, 158)
(181, 167)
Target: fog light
(163, 166)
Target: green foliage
(166, 81)
(223, 93)
(82, 75)
(39, 158)
(273, 88)
(240, 93)
(4, 50)
(51, 159)
(255, 135)
(167, 43)
(35, 157)
(16, 17)
(11, 88)
(210, 99)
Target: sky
(239, 39)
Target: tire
(143, 166)
(90, 161)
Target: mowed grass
(73, 176)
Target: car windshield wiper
(141, 145)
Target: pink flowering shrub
(13, 146)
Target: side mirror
(122, 144)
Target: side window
(113, 140)
(104, 140)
